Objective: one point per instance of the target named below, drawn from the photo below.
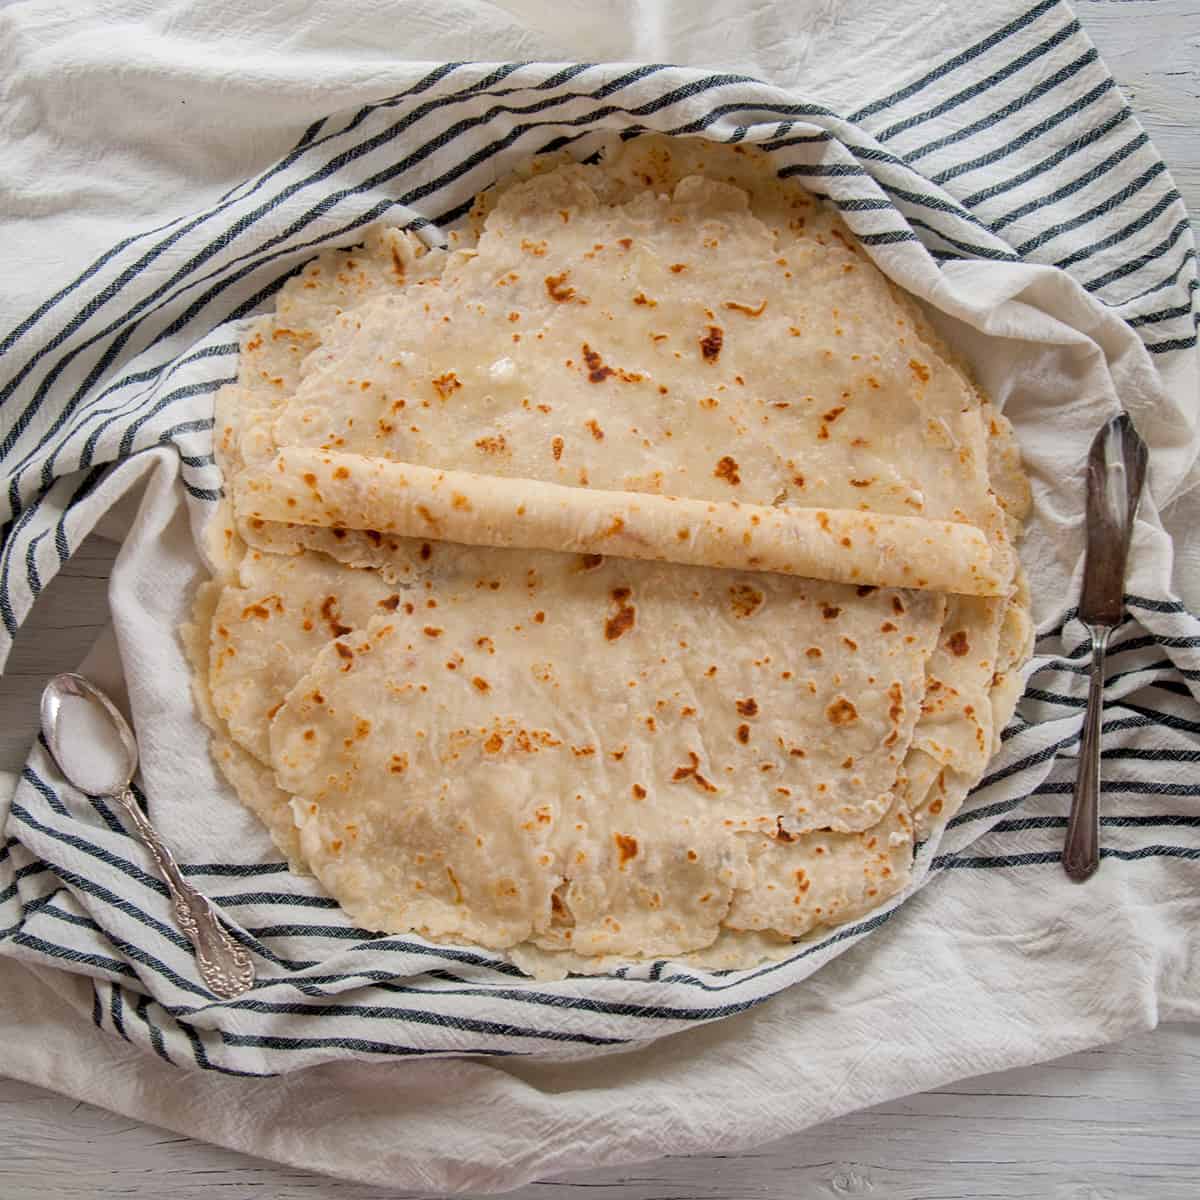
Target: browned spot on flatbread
(692, 772)
(710, 344)
(727, 469)
(330, 614)
(841, 712)
(746, 309)
(556, 287)
(446, 384)
(627, 848)
(957, 644)
(597, 371)
(747, 707)
(623, 615)
(745, 600)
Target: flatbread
(571, 755)
(348, 491)
(673, 706)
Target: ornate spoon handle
(225, 966)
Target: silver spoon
(105, 767)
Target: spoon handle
(225, 966)
(1081, 853)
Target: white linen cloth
(964, 148)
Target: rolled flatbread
(352, 491)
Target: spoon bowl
(71, 704)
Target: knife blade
(1116, 473)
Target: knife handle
(1081, 852)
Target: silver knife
(1116, 470)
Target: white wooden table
(1109, 1124)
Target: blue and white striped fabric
(1015, 152)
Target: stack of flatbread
(634, 578)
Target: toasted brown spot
(677, 267)
(481, 684)
(745, 600)
(595, 430)
(865, 590)
(494, 743)
(813, 652)
(627, 848)
(643, 299)
(830, 611)
(623, 617)
(556, 448)
(743, 734)
(692, 772)
(747, 707)
(919, 369)
(432, 631)
(841, 712)
(492, 445)
(781, 834)
(446, 385)
(343, 650)
(958, 644)
(597, 371)
(745, 308)
(639, 792)
(710, 344)
(556, 286)
(727, 469)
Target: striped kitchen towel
(990, 166)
